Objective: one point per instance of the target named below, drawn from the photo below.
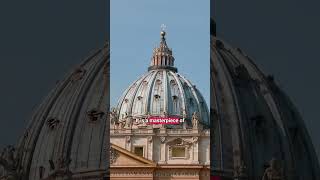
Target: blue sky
(135, 31)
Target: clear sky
(135, 31)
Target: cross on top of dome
(163, 30)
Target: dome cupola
(162, 57)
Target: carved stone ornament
(9, 159)
(162, 139)
(113, 155)
(122, 123)
(195, 139)
(180, 142)
(95, 115)
(114, 117)
(150, 139)
(125, 121)
(128, 139)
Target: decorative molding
(195, 139)
(162, 139)
(179, 142)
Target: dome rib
(184, 105)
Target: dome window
(157, 96)
(94, 115)
(52, 123)
(173, 82)
(158, 81)
(175, 97)
(175, 104)
(78, 74)
(139, 98)
(126, 100)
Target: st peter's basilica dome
(162, 91)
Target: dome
(68, 134)
(254, 121)
(162, 91)
(171, 149)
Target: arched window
(157, 104)
(175, 97)
(175, 101)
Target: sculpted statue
(8, 155)
(122, 121)
(147, 118)
(195, 120)
(8, 161)
(164, 114)
(113, 118)
(128, 120)
(274, 172)
(137, 121)
(184, 116)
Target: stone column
(195, 151)
(150, 148)
(207, 156)
(162, 150)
